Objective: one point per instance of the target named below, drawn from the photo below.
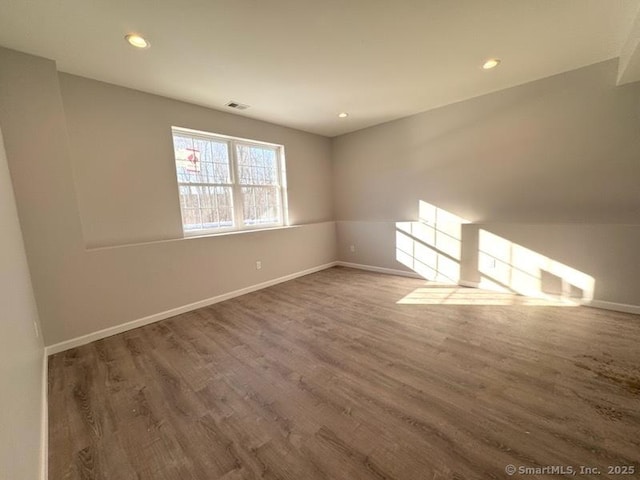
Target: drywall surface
(565, 149)
(122, 284)
(21, 348)
(122, 157)
(562, 153)
(374, 244)
(81, 290)
(607, 253)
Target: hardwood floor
(328, 377)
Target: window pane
(257, 165)
(206, 207)
(224, 206)
(201, 160)
(191, 218)
(212, 177)
(189, 197)
(261, 205)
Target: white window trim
(236, 187)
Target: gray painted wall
(608, 253)
(21, 348)
(122, 158)
(562, 153)
(64, 206)
(561, 149)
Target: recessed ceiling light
(343, 115)
(491, 63)
(137, 41)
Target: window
(228, 183)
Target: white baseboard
(371, 268)
(44, 418)
(107, 332)
(617, 307)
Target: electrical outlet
(258, 265)
(352, 248)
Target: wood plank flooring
(327, 377)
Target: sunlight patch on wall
(431, 246)
(507, 266)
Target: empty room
(344, 240)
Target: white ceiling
(299, 63)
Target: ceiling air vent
(237, 105)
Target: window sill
(191, 237)
(188, 236)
